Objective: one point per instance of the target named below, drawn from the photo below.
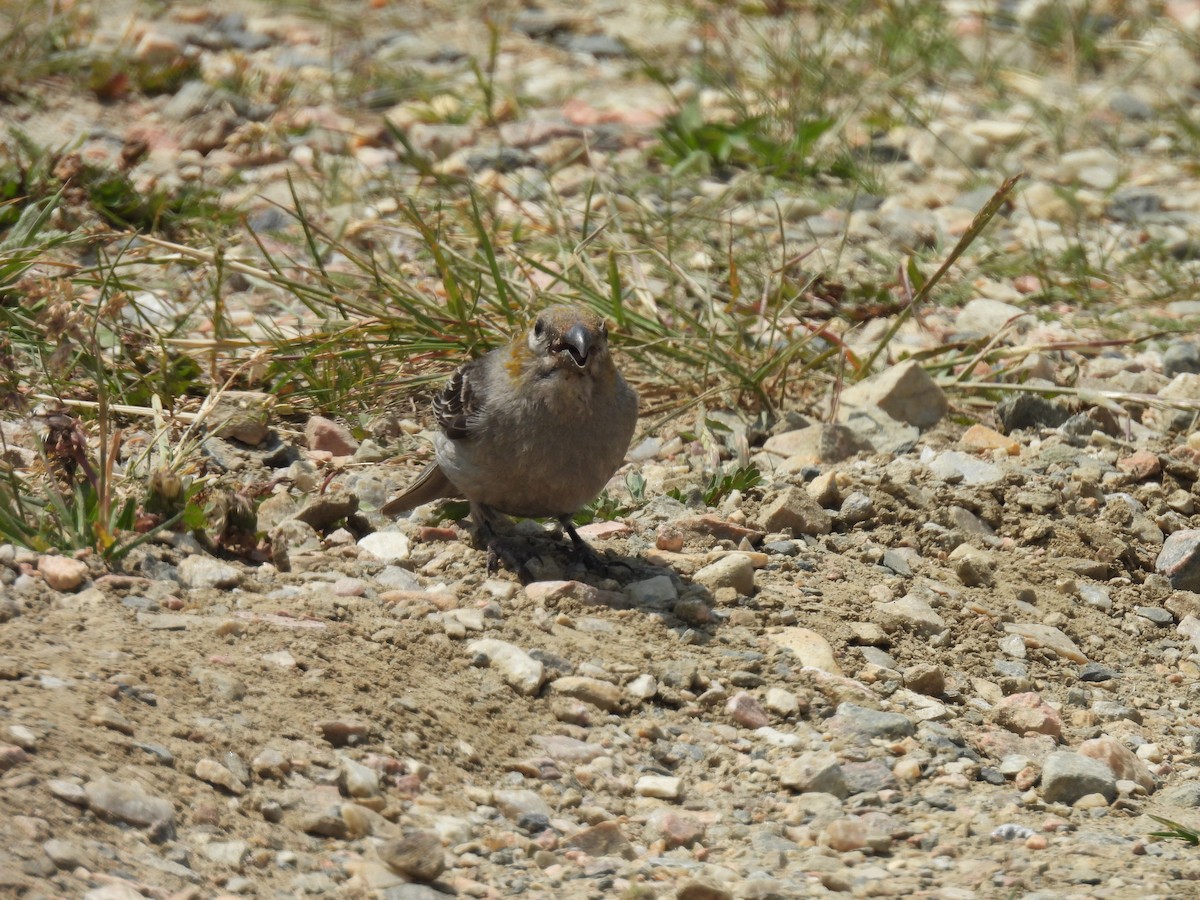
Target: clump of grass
(37, 40)
(1176, 831)
(751, 142)
(721, 484)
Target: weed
(721, 484)
(1176, 831)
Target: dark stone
(1027, 411)
(1094, 672)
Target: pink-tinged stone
(1122, 761)
(746, 711)
(669, 537)
(1140, 465)
(715, 526)
(1028, 712)
(605, 839)
(674, 829)
(61, 572)
(843, 835)
(544, 591)
(1027, 778)
(325, 435)
(603, 531)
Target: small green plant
(76, 502)
(606, 507)
(1176, 831)
(721, 484)
(751, 142)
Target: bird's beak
(578, 341)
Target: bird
(534, 429)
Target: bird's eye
(539, 328)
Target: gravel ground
(944, 649)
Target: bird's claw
(498, 554)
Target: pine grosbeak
(535, 428)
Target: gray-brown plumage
(535, 428)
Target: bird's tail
(432, 484)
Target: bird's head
(569, 340)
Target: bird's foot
(500, 554)
(591, 560)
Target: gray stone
(405, 892)
(395, 578)
(868, 776)
(870, 723)
(967, 522)
(839, 442)
(128, 802)
(1067, 776)
(818, 771)
(1155, 614)
(1095, 672)
(653, 591)
(905, 392)
(793, 508)
(1095, 596)
(418, 856)
(1181, 356)
(857, 507)
(897, 562)
(1179, 560)
(1112, 711)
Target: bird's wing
(456, 406)
(432, 484)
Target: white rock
(735, 571)
(810, 649)
(388, 546)
(520, 671)
(662, 787)
(642, 688)
(781, 702)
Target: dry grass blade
(978, 224)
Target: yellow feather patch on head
(518, 359)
